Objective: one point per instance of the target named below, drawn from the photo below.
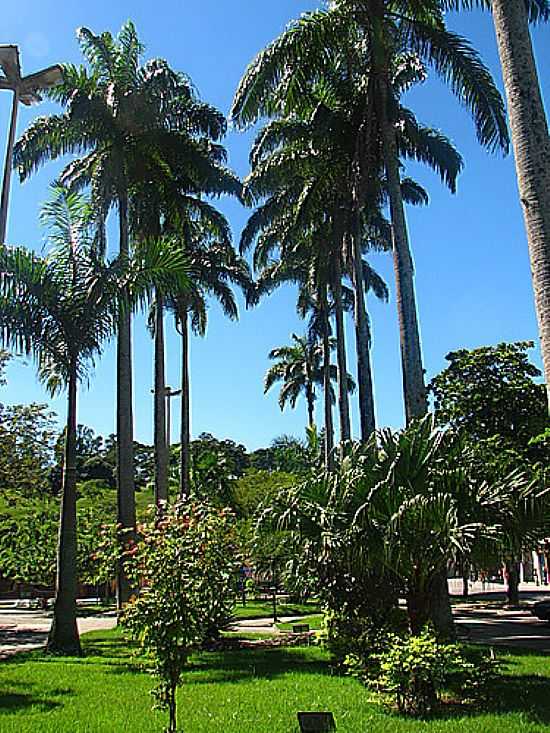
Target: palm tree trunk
(125, 422)
(532, 151)
(364, 371)
(343, 393)
(512, 582)
(310, 398)
(185, 438)
(414, 389)
(63, 637)
(327, 389)
(161, 451)
(441, 614)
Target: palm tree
(60, 309)
(530, 139)
(215, 267)
(377, 33)
(300, 161)
(300, 367)
(131, 123)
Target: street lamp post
(169, 393)
(25, 90)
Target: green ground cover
(252, 690)
(315, 622)
(264, 609)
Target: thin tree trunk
(532, 151)
(343, 393)
(185, 437)
(512, 579)
(364, 372)
(310, 398)
(63, 637)
(161, 450)
(125, 422)
(329, 427)
(414, 389)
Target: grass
(258, 691)
(315, 622)
(264, 609)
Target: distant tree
(27, 440)
(285, 454)
(491, 391)
(257, 486)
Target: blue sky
(473, 280)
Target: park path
(23, 630)
(482, 620)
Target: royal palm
(60, 309)
(383, 30)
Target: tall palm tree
(300, 368)
(299, 161)
(60, 309)
(377, 33)
(530, 139)
(131, 123)
(215, 267)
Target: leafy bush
(186, 565)
(362, 638)
(415, 670)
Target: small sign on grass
(316, 722)
(300, 628)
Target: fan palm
(377, 33)
(530, 139)
(60, 309)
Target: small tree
(187, 566)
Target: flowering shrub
(185, 564)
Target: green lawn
(256, 691)
(264, 609)
(315, 622)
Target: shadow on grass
(248, 664)
(16, 700)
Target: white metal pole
(8, 168)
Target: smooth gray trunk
(63, 636)
(532, 151)
(364, 371)
(343, 393)
(125, 422)
(185, 436)
(414, 388)
(329, 427)
(161, 449)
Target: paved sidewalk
(482, 619)
(22, 630)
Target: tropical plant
(60, 309)
(530, 139)
(283, 74)
(299, 161)
(131, 124)
(215, 267)
(187, 566)
(299, 367)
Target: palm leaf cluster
(330, 161)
